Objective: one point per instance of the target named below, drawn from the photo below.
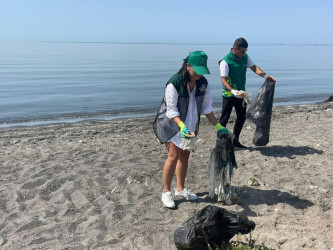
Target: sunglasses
(242, 51)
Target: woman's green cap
(198, 61)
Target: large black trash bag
(222, 162)
(260, 113)
(211, 224)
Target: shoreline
(107, 118)
(98, 184)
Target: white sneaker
(186, 193)
(167, 200)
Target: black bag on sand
(211, 225)
(260, 113)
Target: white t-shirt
(224, 68)
(171, 99)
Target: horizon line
(167, 43)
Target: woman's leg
(170, 165)
(181, 168)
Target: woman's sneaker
(167, 200)
(186, 193)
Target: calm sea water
(45, 82)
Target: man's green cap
(198, 61)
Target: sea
(67, 82)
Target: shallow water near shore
(47, 82)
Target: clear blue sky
(168, 21)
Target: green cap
(198, 61)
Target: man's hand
(270, 78)
(237, 93)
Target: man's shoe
(186, 193)
(238, 145)
(167, 200)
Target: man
(233, 74)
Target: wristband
(181, 125)
(218, 126)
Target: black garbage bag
(260, 113)
(221, 164)
(211, 225)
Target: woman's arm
(211, 117)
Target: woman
(187, 96)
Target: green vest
(166, 128)
(237, 73)
(177, 81)
(183, 95)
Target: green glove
(183, 130)
(220, 129)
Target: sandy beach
(97, 185)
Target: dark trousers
(227, 105)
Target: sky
(168, 21)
